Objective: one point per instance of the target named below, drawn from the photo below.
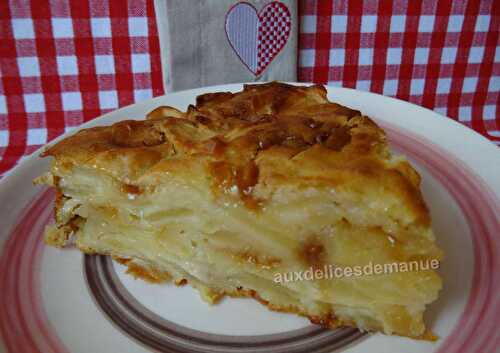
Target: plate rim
(475, 138)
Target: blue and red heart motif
(258, 37)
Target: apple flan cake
(273, 192)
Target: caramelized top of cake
(250, 143)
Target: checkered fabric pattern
(65, 62)
(443, 55)
(273, 33)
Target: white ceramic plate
(60, 301)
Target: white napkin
(209, 42)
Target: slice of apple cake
(266, 193)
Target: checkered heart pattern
(257, 37)
(65, 62)
(274, 30)
(443, 55)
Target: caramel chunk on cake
(246, 193)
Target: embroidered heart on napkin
(258, 37)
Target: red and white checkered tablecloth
(64, 62)
(443, 55)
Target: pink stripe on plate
(24, 324)
(25, 327)
(478, 325)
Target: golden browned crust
(267, 135)
(329, 320)
(59, 233)
(253, 148)
(151, 275)
(146, 274)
